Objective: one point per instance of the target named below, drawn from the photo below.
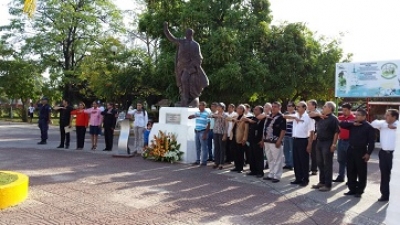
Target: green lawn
(6, 178)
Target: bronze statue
(190, 77)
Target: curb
(15, 192)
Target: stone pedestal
(392, 213)
(175, 120)
(123, 139)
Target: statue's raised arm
(168, 34)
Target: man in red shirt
(343, 143)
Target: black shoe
(383, 199)
(259, 175)
(195, 163)
(240, 171)
(251, 174)
(106, 149)
(267, 178)
(338, 180)
(357, 195)
(275, 181)
(67, 147)
(287, 168)
(313, 173)
(209, 160)
(60, 146)
(304, 183)
(350, 193)
(203, 164)
(296, 182)
(234, 170)
(42, 143)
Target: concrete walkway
(85, 187)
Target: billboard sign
(369, 79)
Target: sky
(369, 26)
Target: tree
(20, 80)
(301, 65)
(60, 34)
(118, 77)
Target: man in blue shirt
(44, 120)
(201, 130)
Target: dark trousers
(80, 136)
(325, 162)
(44, 128)
(301, 159)
(210, 144)
(314, 164)
(229, 150)
(356, 169)
(385, 166)
(65, 137)
(219, 149)
(239, 156)
(256, 158)
(109, 137)
(247, 155)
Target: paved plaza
(93, 188)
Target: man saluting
(387, 130)
(361, 145)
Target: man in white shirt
(302, 134)
(247, 113)
(213, 109)
(229, 144)
(31, 110)
(139, 126)
(387, 130)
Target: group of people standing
(288, 141)
(95, 118)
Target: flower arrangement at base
(164, 147)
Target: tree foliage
(118, 77)
(301, 65)
(60, 34)
(19, 78)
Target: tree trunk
(24, 110)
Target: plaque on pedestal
(173, 118)
(123, 151)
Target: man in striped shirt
(201, 133)
(288, 140)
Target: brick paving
(82, 187)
